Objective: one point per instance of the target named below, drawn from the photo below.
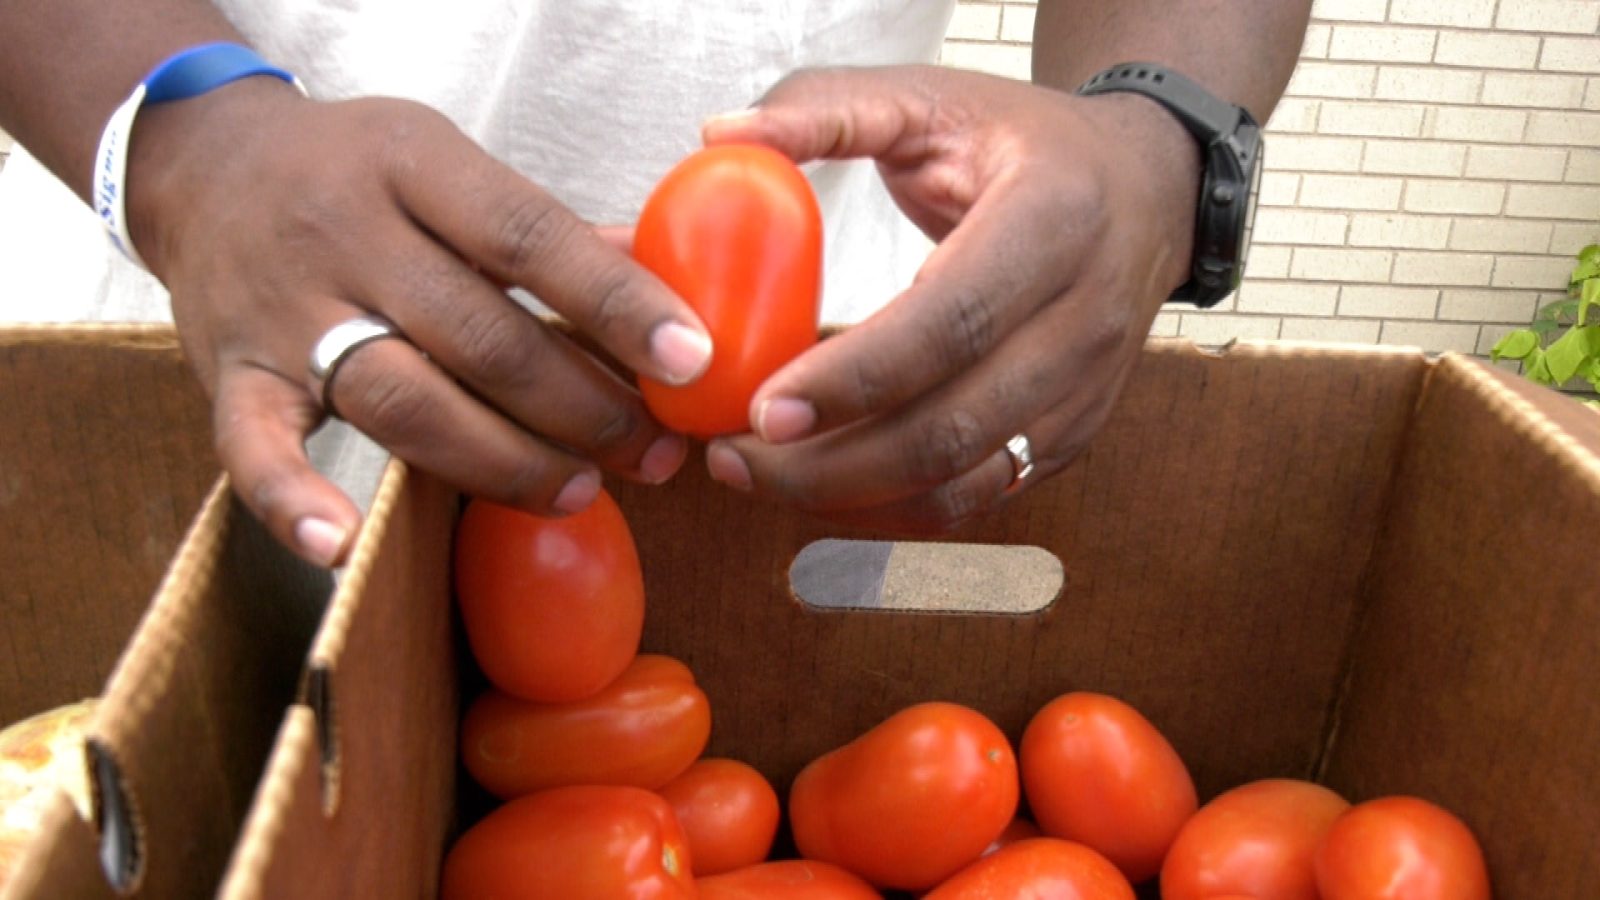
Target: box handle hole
(319, 696)
(916, 575)
(117, 820)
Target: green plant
(1562, 344)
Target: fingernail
(682, 352)
(727, 466)
(781, 419)
(736, 117)
(320, 540)
(662, 460)
(578, 493)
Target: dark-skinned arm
(270, 218)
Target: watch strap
(1204, 115)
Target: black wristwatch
(1230, 141)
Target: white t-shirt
(592, 99)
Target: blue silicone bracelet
(197, 70)
(187, 73)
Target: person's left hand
(1063, 223)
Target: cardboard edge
(301, 781)
(142, 335)
(137, 683)
(1515, 408)
(142, 677)
(319, 694)
(294, 750)
(335, 630)
(1254, 349)
(309, 734)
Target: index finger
(520, 234)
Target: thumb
(836, 114)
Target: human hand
(272, 218)
(1063, 223)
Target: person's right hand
(271, 218)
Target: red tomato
(729, 812)
(588, 842)
(1257, 840)
(643, 730)
(911, 801)
(1097, 772)
(1037, 869)
(553, 608)
(790, 879)
(734, 230)
(1400, 848)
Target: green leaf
(1591, 372)
(1554, 311)
(1543, 327)
(1567, 355)
(1535, 369)
(1516, 345)
(1588, 264)
(1589, 297)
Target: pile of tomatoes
(596, 753)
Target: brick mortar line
(1398, 101)
(1352, 173)
(1453, 217)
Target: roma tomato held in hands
(1400, 848)
(1037, 869)
(1097, 772)
(735, 230)
(553, 608)
(1258, 840)
(589, 842)
(912, 800)
(643, 729)
(789, 879)
(728, 810)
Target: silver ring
(1021, 453)
(335, 345)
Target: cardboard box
(1357, 565)
(119, 578)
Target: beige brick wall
(1432, 168)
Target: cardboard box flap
(104, 460)
(183, 730)
(1472, 682)
(377, 734)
